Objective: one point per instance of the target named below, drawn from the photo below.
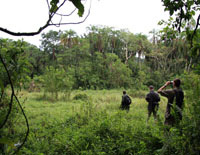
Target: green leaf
(54, 5)
(79, 6)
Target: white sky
(138, 16)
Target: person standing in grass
(171, 94)
(126, 101)
(152, 98)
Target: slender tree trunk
(127, 56)
(188, 69)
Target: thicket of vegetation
(64, 120)
(104, 58)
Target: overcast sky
(138, 16)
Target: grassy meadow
(90, 122)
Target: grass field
(93, 124)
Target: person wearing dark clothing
(126, 101)
(152, 98)
(173, 94)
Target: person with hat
(152, 98)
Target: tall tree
(51, 43)
(36, 57)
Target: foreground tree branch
(53, 8)
(11, 104)
(27, 125)
(12, 94)
(184, 12)
(195, 30)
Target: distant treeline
(103, 58)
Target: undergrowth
(92, 123)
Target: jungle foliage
(73, 77)
(101, 59)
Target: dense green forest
(64, 96)
(85, 76)
(103, 58)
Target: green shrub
(56, 80)
(83, 97)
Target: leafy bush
(13, 61)
(56, 80)
(9, 135)
(83, 97)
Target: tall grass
(94, 124)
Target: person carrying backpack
(152, 98)
(173, 94)
(126, 101)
